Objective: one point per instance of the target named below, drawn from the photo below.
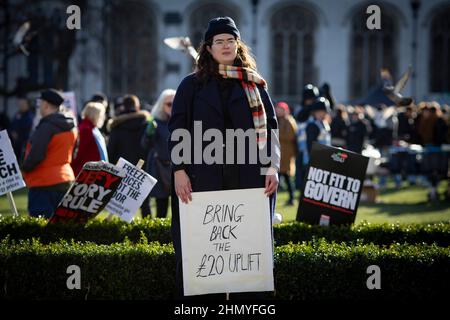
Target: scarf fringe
(249, 79)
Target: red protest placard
(89, 194)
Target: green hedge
(325, 270)
(102, 232)
(30, 270)
(307, 271)
(380, 234)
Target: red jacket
(91, 146)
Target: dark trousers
(288, 182)
(162, 204)
(298, 173)
(43, 202)
(145, 208)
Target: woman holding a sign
(225, 94)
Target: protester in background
(406, 129)
(47, 170)
(100, 97)
(446, 117)
(357, 130)
(118, 106)
(384, 129)
(21, 127)
(338, 127)
(432, 132)
(316, 129)
(431, 124)
(309, 95)
(325, 91)
(126, 130)
(403, 160)
(288, 142)
(225, 92)
(158, 159)
(91, 144)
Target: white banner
(10, 175)
(70, 102)
(226, 241)
(131, 192)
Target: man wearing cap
(309, 95)
(316, 129)
(46, 166)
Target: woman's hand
(183, 186)
(271, 182)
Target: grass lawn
(404, 205)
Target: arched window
(371, 50)
(440, 52)
(200, 17)
(132, 50)
(292, 55)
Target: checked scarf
(249, 79)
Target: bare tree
(46, 40)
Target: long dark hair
(207, 67)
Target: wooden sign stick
(12, 204)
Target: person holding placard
(46, 166)
(224, 94)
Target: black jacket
(125, 137)
(203, 103)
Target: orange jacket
(49, 152)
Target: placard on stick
(131, 192)
(10, 175)
(89, 194)
(332, 186)
(226, 242)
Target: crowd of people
(412, 140)
(52, 146)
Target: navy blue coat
(195, 102)
(205, 105)
(158, 149)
